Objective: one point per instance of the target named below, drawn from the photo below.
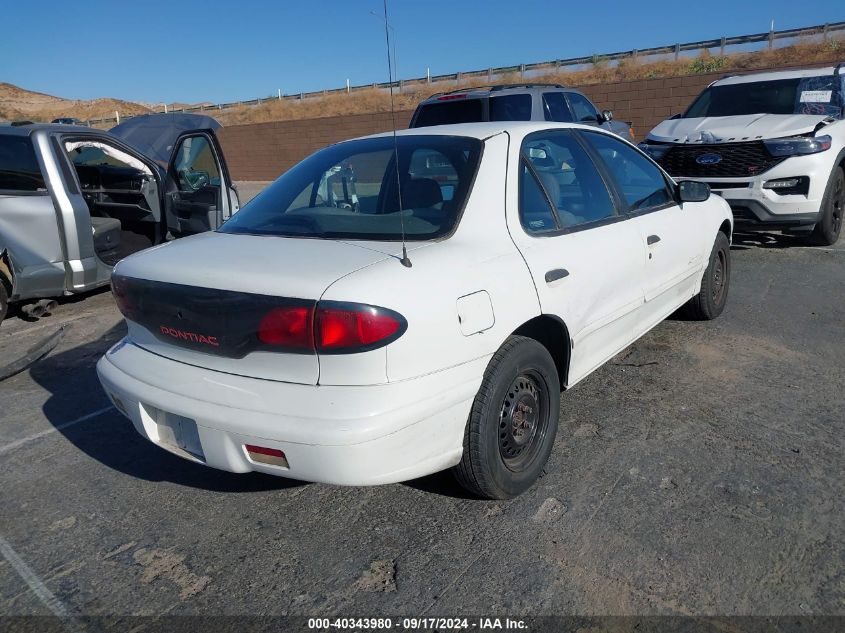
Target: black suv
(515, 102)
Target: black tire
(711, 299)
(827, 229)
(513, 421)
(4, 302)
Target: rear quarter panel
(479, 256)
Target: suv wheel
(711, 300)
(513, 421)
(829, 226)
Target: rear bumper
(339, 435)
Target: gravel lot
(700, 472)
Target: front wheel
(711, 299)
(513, 421)
(827, 229)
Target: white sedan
(298, 340)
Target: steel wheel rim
(720, 280)
(523, 421)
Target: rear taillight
(121, 296)
(288, 326)
(333, 328)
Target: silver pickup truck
(75, 200)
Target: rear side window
(556, 108)
(448, 112)
(582, 108)
(641, 182)
(569, 178)
(510, 108)
(535, 212)
(19, 170)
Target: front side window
(640, 181)
(510, 108)
(195, 165)
(350, 191)
(800, 95)
(582, 109)
(19, 170)
(569, 179)
(556, 108)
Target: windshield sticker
(816, 96)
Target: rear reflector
(264, 455)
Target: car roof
(486, 129)
(486, 91)
(29, 128)
(778, 74)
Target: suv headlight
(654, 150)
(798, 145)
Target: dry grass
(367, 101)
(16, 103)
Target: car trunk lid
(201, 300)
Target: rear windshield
(19, 170)
(350, 191)
(801, 95)
(448, 112)
(515, 107)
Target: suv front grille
(738, 160)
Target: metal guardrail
(770, 37)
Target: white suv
(772, 144)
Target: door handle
(557, 273)
(652, 239)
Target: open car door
(199, 196)
(198, 192)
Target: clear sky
(190, 51)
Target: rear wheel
(711, 299)
(513, 421)
(829, 226)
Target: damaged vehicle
(772, 144)
(76, 200)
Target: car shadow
(443, 484)
(71, 379)
(746, 241)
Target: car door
(670, 235)
(199, 193)
(585, 258)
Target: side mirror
(693, 191)
(607, 116)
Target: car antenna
(404, 261)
